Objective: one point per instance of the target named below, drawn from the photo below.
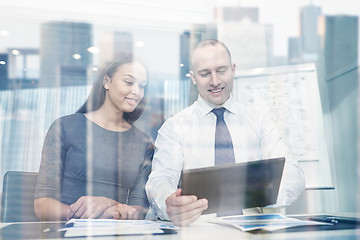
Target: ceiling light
(15, 52)
(4, 33)
(139, 44)
(93, 49)
(76, 56)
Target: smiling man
(214, 130)
(212, 72)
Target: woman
(95, 163)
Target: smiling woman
(125, 89)
(123, 79)
(95, 163)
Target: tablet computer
(233, 187)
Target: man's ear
(234, 69)
(192, 75)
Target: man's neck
(211, 105)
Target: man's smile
(216, 90)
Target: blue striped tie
(224, 151)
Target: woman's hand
(121, 211)
(124, 211)
(89, 207)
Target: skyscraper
(114, 43)
(63, 53)
(294, 50)
(339, 45)
(249, 41)
(309, 29)
(4, 80)
(23, 68)
(184, 55)
(188, 39)
(237, 13)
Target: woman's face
(125, 89)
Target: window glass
(49, 59)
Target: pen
(69, 224)
(324, 219)
(47, 230)
(58, 228)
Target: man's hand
(89, 207)
(184, 210)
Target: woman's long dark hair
(97, 95)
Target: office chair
(17, 203)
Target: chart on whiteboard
(291, 97)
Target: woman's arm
(47, 203)
(49, 209)
(137, 196)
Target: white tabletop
(203, 230)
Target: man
(187, 140)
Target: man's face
(213, 73)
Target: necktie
(224, 151)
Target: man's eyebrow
(203, 71)
(221, 67)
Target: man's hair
(208, 42)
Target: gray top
(80, 158)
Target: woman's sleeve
(137, 195)
(51, 167)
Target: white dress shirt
(187, 141)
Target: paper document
(103, 227)
(268, 222)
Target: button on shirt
(186, 141)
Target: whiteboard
(291, 96)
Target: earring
(106, 79)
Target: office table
(201, 229)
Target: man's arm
(161, 188)
(273, 145)
(167, 165)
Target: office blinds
(25, 116)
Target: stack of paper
(106, 227)
(268, 222)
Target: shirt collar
(206, 107)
